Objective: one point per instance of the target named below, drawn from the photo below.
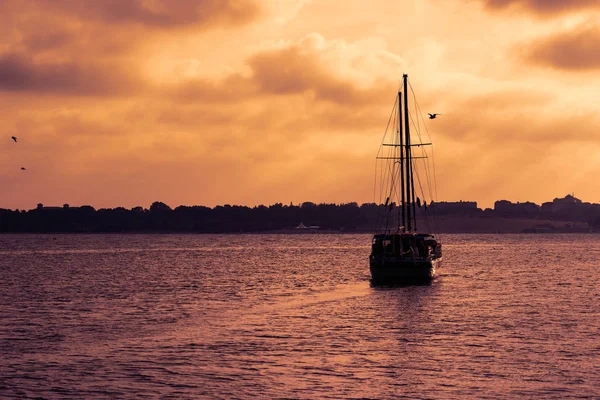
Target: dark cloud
(284, 72)
(544, 7)
(577, 50)
(156, 13)
(289, 91)
(19, 73)
(295, 70)
(50, 39)
(100, 27)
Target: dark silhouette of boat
(400, 253)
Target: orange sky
(122, 103)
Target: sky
(247, 102)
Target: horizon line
(291, 204)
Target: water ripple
(295, 316)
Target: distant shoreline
(568, 215)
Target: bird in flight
(23, 168)
(14, 138)
(432, 116)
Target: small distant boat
(400, 253)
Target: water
(295, 316)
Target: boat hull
(395, 270)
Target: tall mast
(408, 154)
(401, 158)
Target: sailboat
(400, 253)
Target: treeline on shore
(348, 217)
(161, 218)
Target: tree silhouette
(159, 206)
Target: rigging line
(428, 222)
(383, 186)
(419, 112)
(392, 174)
(374, 198)
(387, 220)
(381, 147)
(412, 120)
(393, 194)
(427, 167)
(383, 174)
(386, 174)
(424, 153)
(388, 125)
(390, 167)
(417, 126)
(395, 173)
(380, 216)
(434, 177)
(418, 107)
(426, 170)
(387, 185)
(433, 217)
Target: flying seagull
(432, 116)
(14, 138)
(23, 168)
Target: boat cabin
(405, 245)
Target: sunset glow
(123, 103)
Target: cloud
(319, 69)
(161, 14)
(542, 7)
(574, 50)
(51, 38)
(129, 98)
(292, 70)
(508, 139)
(301, 90)
(20, 73)
(508, 115)
(77, 32)
(100, 48)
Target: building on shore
(454, 207)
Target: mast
(408, 155)
(401, 158)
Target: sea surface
(296, 317)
